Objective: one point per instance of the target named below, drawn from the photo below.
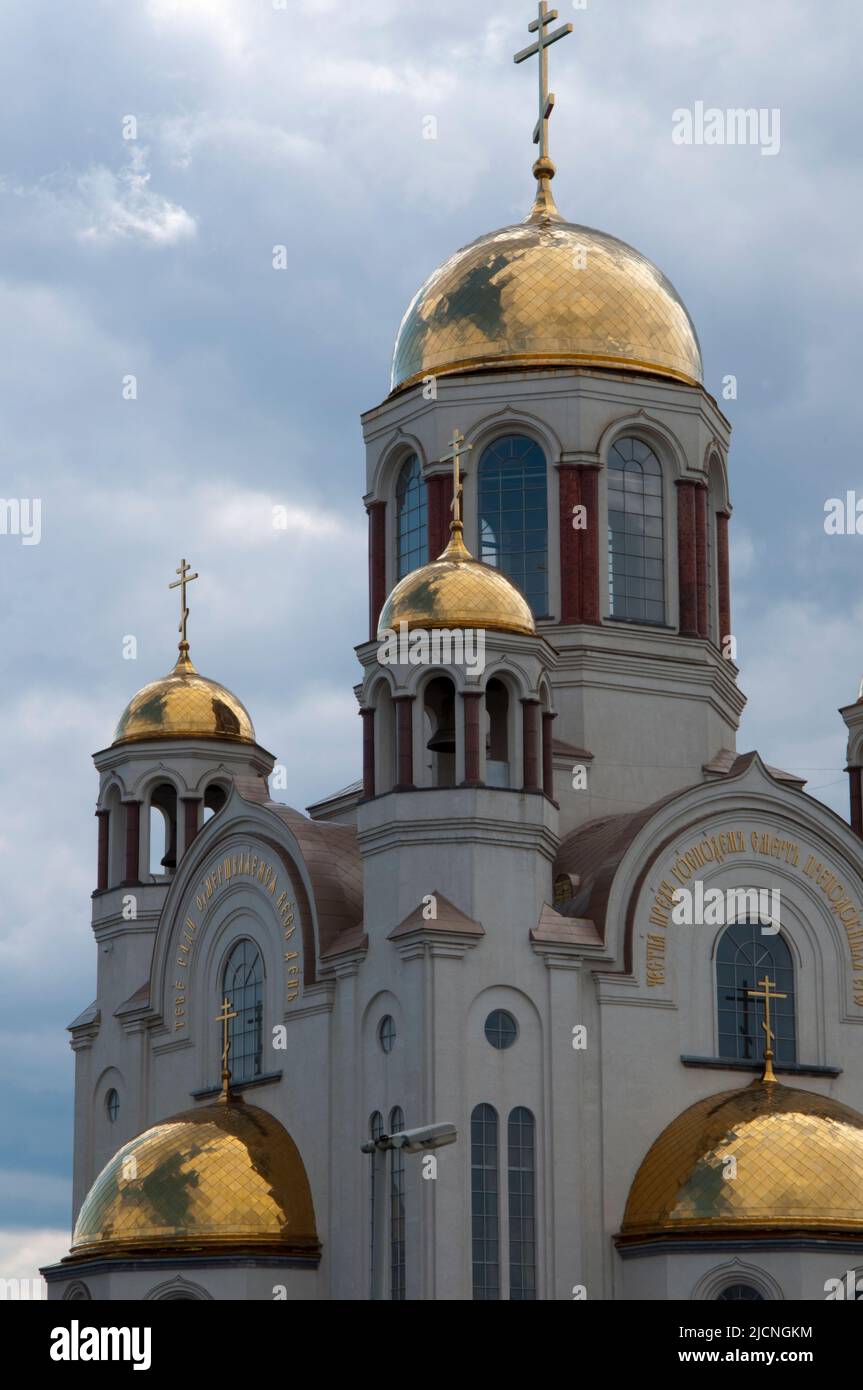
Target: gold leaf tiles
(184, 704)
(546, 292)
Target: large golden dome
(457, 591)
(227, 1174)
(184, 704)
(546, 292)
(799, 1166)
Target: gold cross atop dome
(186, 577)
(456, 549)
(766, 991)
(224, 1018)
(543, 168)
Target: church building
(560, 922)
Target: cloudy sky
(300, 124)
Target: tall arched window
(636, 565)
(745, 955)
(411, 518)
(513, 515)
(243, 987)
(485, 1221)
(397, 1209)
(376, 1129)
(521, 1166)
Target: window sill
(738, 1064)
(237, 1085)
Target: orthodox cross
(458, 448)
(764, 992)
(544, 40)
(224, 1018)
(186, 577)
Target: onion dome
(457, 591)
(184, 704)
(546, 293)
(799, 1168)
(225, 1177)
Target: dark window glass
(744, 957)
(397, 1209)
(387, 1033)
(244, 991)
(513, 515)
(636, 570)
(501, 1029)
(411, 518)
(112, 1105)
(485, 1219)
(735, 1293)
(376, 1129)
(521, 1163)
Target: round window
(112, 1105)
(501, 1029)
(387, 1033)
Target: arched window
(636, 566)
(112, 1105)
(485, 1219)
(376, 1129)
(163, 829)
(497, 759)
(397, 1209)
(521, 1165)
(243, 987)
(411, 517)
(439, 715)
(745, 955)
(740, 1293)
(513, 515)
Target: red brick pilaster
(377, 563)
(855, 778)
(701, 562)
(723, 576)
(472, 705)
(191, 819)
(133, 839)
(547, 756)
(439, 512)
(368, 718)
(686, 559)
(103, 817)
(530, 750)
(404, 743)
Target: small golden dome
(457, 591)
(184, 704)
(799, 1166)
(227, 1174)
(546, 292)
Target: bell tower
(597, 482)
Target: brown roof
(553, 929)
(331, 855)
(449, 919)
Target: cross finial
(766, 991)
(186, 577)
(543, 168)
(224, 1018)
(457, 449)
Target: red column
(102, 863)
(404, 743)
(686, 564)
(723, 576)
(578, 486)
(590, 546)
(133, 834)
(569, 488)
(439, 489)
(855, 778)
(701, 560)
(368, 718)
(472, 705)
(377, 563)
(192, 806)
(547, 754)
(530, 751)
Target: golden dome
(227, 1174)
(184, 705)
(457, 591)
(546, 292)
(799, 1160)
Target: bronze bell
(442, 740)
